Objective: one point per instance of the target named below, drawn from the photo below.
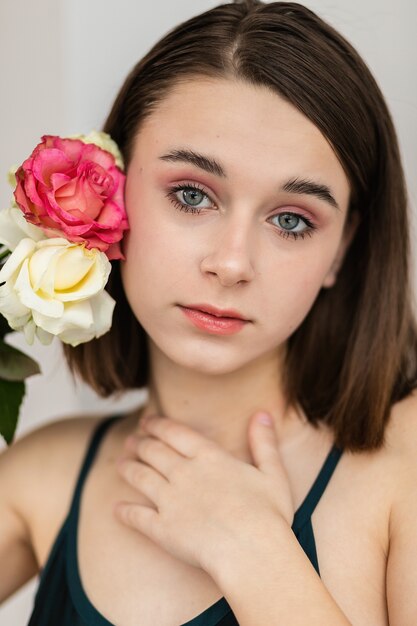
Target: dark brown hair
(354, 354)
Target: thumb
(263, 443)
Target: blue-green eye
(288, 220)
(192, 194)
(292, 223)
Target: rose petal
(14, 227)
(102, 307)
(42, 266)
(10, 305)
(58, 180)
(110, 216)
(72, 148)
(93, 282)
(49, 308)
(18, 323)
(105, 142)
(24, 248)
(114, 252)
(93, 241)
(44, 337)
(48, 162)
(73, 267)
(60, 215)
(79, 199)
(27, 192)
(75, 315)
(91, 152)
(29, 331)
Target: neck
(219, 406)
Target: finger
(143, 478)
(155, 453)
(137, 516)
(179, 436)
(264, 446)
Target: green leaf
(15, 365)
(4, 327)
(4, 254)
(11, 396)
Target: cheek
(156, 259)
(292, 287)
(152, 238)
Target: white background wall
(62, 62)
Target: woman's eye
(188, 198)
(293, 225)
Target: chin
(203, 360)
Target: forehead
(250, 128)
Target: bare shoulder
(401, 578)
(39, 470)
(399, 453)
(401, 450)
(401, 433)
(50, 445)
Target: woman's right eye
(192, 196)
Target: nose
(230, 258)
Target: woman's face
(269, 234)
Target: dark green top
(60, 598)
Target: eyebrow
(209, 164)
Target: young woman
(266, 272)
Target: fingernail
(130, 442)
(145, 419)
(265, 418)
(142, 421)
(120, 461)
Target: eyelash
(190, 209)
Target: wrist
(268, 574)
(247, 545)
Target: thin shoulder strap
(306, 509)
(97, 436)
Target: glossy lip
(213, 324)
(208, 308)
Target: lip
(225, 313)
(213, 324)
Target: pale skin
(213, 490)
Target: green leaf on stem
(15, 365)
(11, 396)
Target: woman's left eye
(294, 225)
(190, 193)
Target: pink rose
(74, 190)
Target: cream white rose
(14, 227)
(11, 176)
(56, 288)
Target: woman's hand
(204, 498)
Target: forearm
(269, 580)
